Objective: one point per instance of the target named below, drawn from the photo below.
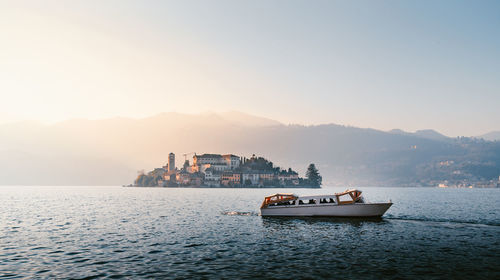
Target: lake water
(116, 232)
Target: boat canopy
(353, 193)
(279, 197)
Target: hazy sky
(381, 64)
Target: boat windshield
(349, 197)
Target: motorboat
(349, 203)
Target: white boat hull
(345, 210)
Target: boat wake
(237, 213)
(443, 221)
(396, 218)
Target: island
(227, 171)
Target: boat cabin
(286, 200)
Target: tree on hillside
(313, 176)
(140, 181)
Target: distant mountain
(426, 133)
(210, 118)
(399, 131)
(111, 151)
(491, 136)
(431, 134)
(247, 119)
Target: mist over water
(116, 232)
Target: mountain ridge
(423, 133)
(491, 136)
(111, 151)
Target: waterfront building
(212, 175)
(250, 177)
(266, 176)
(183, 177)
(232, 161)
(236, 178)
(288, 177)
(220, 162)
(219, 167)
(229, 178)
(170, 176)
(192, 169)
(171, 161)
(212, 183)
(208, 159)
(227, 170)
(212, 178)
(216, 167)
(196, 181)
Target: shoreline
(226, 187)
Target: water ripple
(132, 233)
